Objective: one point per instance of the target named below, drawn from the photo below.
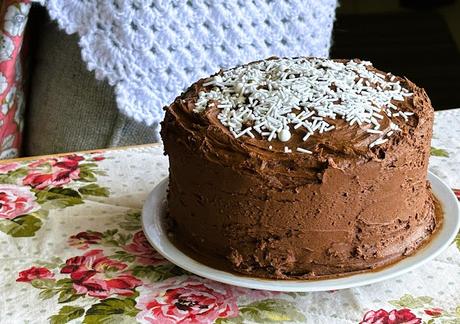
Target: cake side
(346, 206)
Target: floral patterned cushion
(13, 18)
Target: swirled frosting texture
(345, 207)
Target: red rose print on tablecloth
(34, 273)
(99, 276)
(434, 312)
(143, 251)
(5, 168)
(127, 280)
(54, 172)
(186, 300)
(66, 161)
(16, 201)
(82, 240)
(381, 316)
(69, 161)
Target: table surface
(72, 250)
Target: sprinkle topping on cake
(274, 96)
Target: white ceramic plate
(152, 222)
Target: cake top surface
(289, 120)
(275, 98)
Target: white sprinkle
(224, 106)
(373, 131)
(389, 133)
(392, 106)
(323, 127)
(302, 150)
(270, 147)
(240, 134)
(306, 137)
(296, 126)
(287, 150)
(378, 142)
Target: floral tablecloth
(72, 250)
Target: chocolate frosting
(345, 207)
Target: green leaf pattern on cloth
(439, 152)
(112, 310)
(409, 301)
(24, 226)
(66, 314)
(13, 176)
(94, 190)
(58, 198)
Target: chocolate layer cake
(300, 167)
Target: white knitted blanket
(152, 50)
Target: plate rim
(439, 243)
